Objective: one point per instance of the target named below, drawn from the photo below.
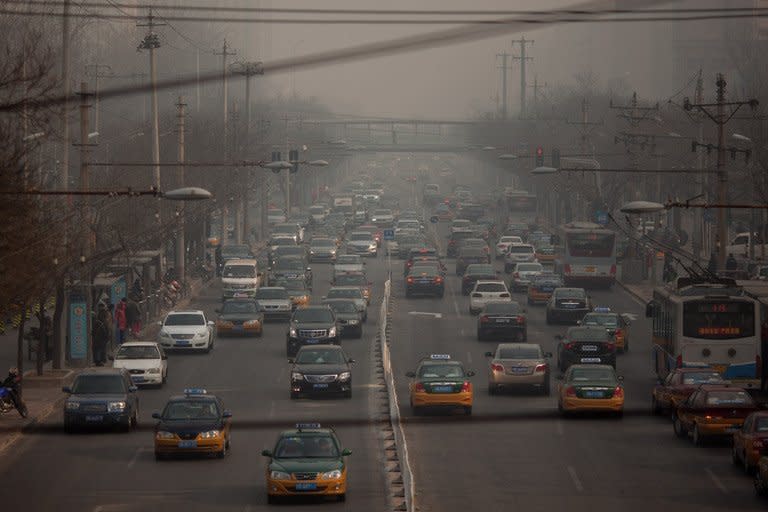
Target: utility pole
(287, 172)
(248, 70)
(92, 70)
(181, 245)
(151, 42)
(698, 230)
(225, 100)
(522, 58)
(721, 118)
(504, 67)
(85, 212)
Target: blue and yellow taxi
(440, 382)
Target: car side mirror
(309, 269)
(620, 378)
(323, 297)
(489, 354)
(350, 360)
(346, 452)
(210, 323)
(578, 322)
(291, 360)
(159, 323)
(470, 373)
(132, 389)
(410, 374)
(547, 355)
(266, 453)
(164, 357)
(226, 414)
(67, 389)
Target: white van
(240, 278)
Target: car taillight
(451, 242)
(485, 249)
(566, 268)
(570, 391)
(540, 368)
(516, 274)
(466, 387)
(618, 333)
(613, 270)
(521, 320)
(757, 443)
(484, 319)
(618, 392)
(410, 279)
(438, 279)
(409, 264)
(611, 346)
(497, 367)
(679, 361)
(569, 346)
(710, 417)
(418, 387)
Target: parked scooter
(10, 394)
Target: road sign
(601, 217)
(389, 234)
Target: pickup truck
(739, 246)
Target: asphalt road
(114, 471)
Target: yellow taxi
(193, 423)
(590, 388)
(440, 382)
(297, 291)
(713, 410)
(307, 460)
(239, 317)
(541, 287)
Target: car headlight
(73, 406)
(331, 475)
(165, 334)
(251, 323)
(279, 475)
(372, 247)
(202, 334)
(332, 331)
(211, 434)
(153, 370)
(333, 252)
(116, 406)
(344, 376)
(162, 434)
(352, 322)
(311, 251)
(297, 376)
(292, 332)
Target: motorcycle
(9, 395)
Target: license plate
(569, 306)
(590, 359)
(594, 394)
(183, 343)
(137, 379)
(502, 320)
(306, 486)
(94, 418)
(519, 369)
(547, 289)
(442, 389)
(733, 428)
(291, 276)
(320, 386)
(240, 294)
(188, 443)
(589, 269)
(589, 348)
(313, 342)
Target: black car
(455, 238)
(321, 369)
(193, 423)
(468, 256)
(290, 267)
(567, 305)
(477, 272)
(348, 317)
(103, 397)
(311, 325)
(503, 319)
(281, 251)
(240, 316)
(425, 282)
(585, 345)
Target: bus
(520, 200)
(698, 322)
(586, 255)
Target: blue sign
(389, 234)
(601, 217)
(78, 327)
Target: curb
(642, 300)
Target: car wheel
(294, 395)
(342, 497)
(223, 452)
(272, 500)
(441, 294)
(530, 302)
(468, 411)
(507, 269)
(679, 429)
(416, 411)
(348, 394)
(159, 456)
(748, 469)
(698, 439)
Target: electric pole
(504, 67)
(721, 118)
(85, 212)
(225, 52)
(248, 70)
(180, 239)
(522, 58)
(93, 71)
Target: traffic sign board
(601, 217)
(389, 234)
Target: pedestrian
(712, 265)
(121, 320)
(731, 265)
(133, 318)
(100, 336)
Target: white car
(362, 243)
(409, 224)
(348, 263)
(504, 242)
(145, 361)
(186, 330)
(518, 253)
(486, 292)
(382, 217)
(460, 224)
(523, 274)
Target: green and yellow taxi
(307, 460)
(193, 423)
(440, 382)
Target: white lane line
(272, 410)
(135, 457)
(426, 313)
(456, 307)
(559, 426)
(575, 478)
(469, 357)
(718, 483)
(462, 332)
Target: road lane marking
(462, 332)
(718, 483)
(426, 313)
(575, 478)
(135, 457)
(469, 358)
(272, 410)
(559, 426)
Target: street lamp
(278, 165)
(642, 207)
(540, 171)
(179, 194)
(507, 156)
(740, 137)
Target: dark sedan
(506, 320)
(585, 345)
(103, 397)
(425, 282)
(311, 325)
(679, 384)
(477, 272)
(240, 316)
(320, 370)
(567, 304)
(348, 317)
(468, 256)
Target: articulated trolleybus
(586, 255)
(698, 322)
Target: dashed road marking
(575, 479)
(426, 313)
(718, 483)
(135, 457)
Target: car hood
(136, 364)
(347, 316)
(183, 329)
(320, 369)
(190, 426)
(362, 243)
(238, 317)
(520, 362)
(305, 465)
(98, 397)
(312, 325)
(276, 302)
(238, 280)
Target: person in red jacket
(121, 320)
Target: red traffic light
(539, 151)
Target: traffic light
(556, 158)
(293, 157)
(276, 158)
(539, 156)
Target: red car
(750, 441)
(713, 410)
(679, 385)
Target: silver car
(518, 364)
(523, 274)
(352, 293)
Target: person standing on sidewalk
(133, 318)
(100, 335)
(121, 320)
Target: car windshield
(382, 213)
(599, 375)
(588, 334)
(481, 269)
(695, 378)
(351, 280)
(728, 398)
(490, 287)
(343, 306)
(185, 319)
(290, 264)
(230, 253)
(349, 260)
(361, 237)
(272, 293)
(239, 271)
(293, 285)
(502, 308)
(570, 293)
(316, 315)
(239, 307)
(472, 252)
(344, 293)
(509, 239)
(598, 319)
(528, 267)
(99, 384)
(431, 371)
(138, 352)
(761, 424)
(520, 249)
(186, 410)
(520, 352)
(289, 250)
(318, 446)
(323, 242)
(320, 356)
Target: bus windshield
(596, 245)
